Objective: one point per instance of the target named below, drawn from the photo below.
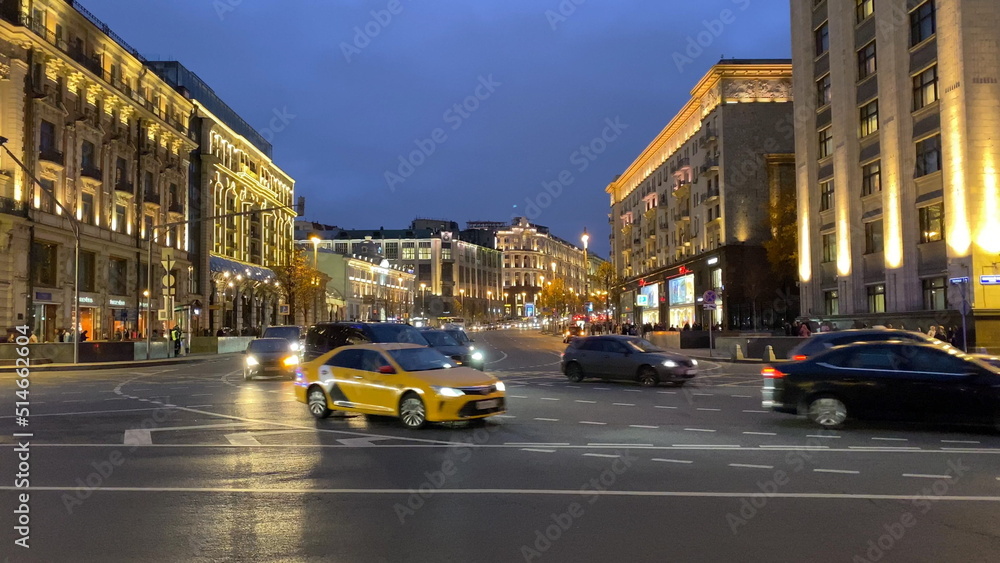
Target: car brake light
(798, 358)
(771, 373)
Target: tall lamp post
(423, 300)
(76, 260)
(586, 272)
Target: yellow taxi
(412, 382)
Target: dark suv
(823, 341)
(323, 337)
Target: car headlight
(252, 361)
(448, 392)
(291, 361)
(670, 363)
(294, 347)
(500, 386)
(477, 356)
(694, 363)
(472, 347)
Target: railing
(92, 172)
(176, 207)
(710, 162)
(714, 192)
(9, 206)
(51, 155)
(151, 198)
(127, 187)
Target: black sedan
(270, 356)
(822, 341)
(445, 343)
(573, 332)
(886, 380)
(628, 358)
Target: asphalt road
(191, 463)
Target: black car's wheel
(412, 412)
(317, 402)
(647, 377)
(828, 412)
(574, 372)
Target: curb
(113, 365)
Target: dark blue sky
(554, 76)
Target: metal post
(149, 296)
(965, 312)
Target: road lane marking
(115, 399)
(922, 476)
(960, 441)
(536, 443)
(843, 471)
(780, 446)
(643, 426)
(664, 407)
(761, 433)
(138, 437)
(602, 455)
(598, 444)
(698, 430)
(891, 439)
(743, 396)
(756, 411)
(703, 394)
(242, 439)
(667, 392)
(549, 399)
(713, 410)
(589, 402)
(547, 419)
(591, 422)
(671, 460)
(539, 450)
(900, 448)
(821, 436)
(518, 396)
(198, 406)
(751, 466)
(623, 404)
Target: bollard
(738, 353)
(769, 353)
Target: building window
(447, 272)
(717, 278)
(118, 276)
(873, 237)
(409, 251)
(147, 227)
(826, 195)
(424, 251)
(925, 88)
(88, 156)
(876, 298)
(823, 92)
(446, 253)
(922, 23)
(44, 196)
(823, 39)
(864, 9)
(424, 272)
(175, 198)
(866, 61)
(935, 294)
(869, 118)
(871, 178)
(121, 171)
(88, 264)
(831, 302)
(931, 223)
(928, 156)
(829, 247)
(392, 250)
(87, 208)
(194, 280)
(120, 218)
(44, 264)
(826, 142)
(47, 137)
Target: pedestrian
(83, 336)
(804, 331)
(175, 336)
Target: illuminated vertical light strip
(956, 210)
(843, 233)
(988, 236)
(893, 224)
(805, 248)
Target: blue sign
(959, 281)
(989, 280)
(39, 296)
(529, 310)
(642, 300)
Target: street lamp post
(423, 300)
(76, 260)
(586, 272)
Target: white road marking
(549, 399)
(751, 466)
(703, 394)
(582, 401)
(138, 437)
(547, 419)
(667, 392)
(921, 476)
(843, 471)
(173, 388)
(643, 426)
(891, 439)
(960, 442)
(664, 407)
(364, 441)
(541, 451)
(115, 399)
(590, 422)
(901, 448)
(671, 460)
(713, 410)
(782, 446)
(198, 406)
(698, 430)
(743, 396)
(602, 388)
(761, 433)
(623, 404)
(821, 436)
(536, 443)
(602, 455)
(242, 439)
(518, 396)
(505, 416)
(756, 411)
(620, 445)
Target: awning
(249, 271)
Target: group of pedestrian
(951, 335)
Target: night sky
(343, 97)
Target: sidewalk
(116, 365)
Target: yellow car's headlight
(291, 361)
(449, 391)
(252, 361)
(500, 386)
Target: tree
(300, 284)
(606, 279)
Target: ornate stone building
(111, 140)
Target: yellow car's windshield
(421, 359)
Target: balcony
(176, 207)
(709, 135)
(126, 187)
(682, 215)
(153, 198)
(711, 194)
(684, 163)
(9, 206)
(91, 172)
(51, 155)
(682, 189)
(711, 164)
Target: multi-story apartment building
(691, 212)
(453, 277)
(897, 160)
(111, 141)
(532, 254)
(234, 172)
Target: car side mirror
(387, 370)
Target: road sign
(710, 306)
(709, 298)
(169, 284)
(283, 309)
(989, 280)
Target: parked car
(444, 341)
(573, 332)
(269, 356)
(886, 380)
(627, 358)
(822, 341)
(988, 358)
(323, 337)
(295, 335)
(412, 382)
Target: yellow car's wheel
(412, 412)
(317, 402)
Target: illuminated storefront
(651, 310)
(681, 298)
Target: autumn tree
(606, 279)
(300, 285)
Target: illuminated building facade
(691, 212)
(897, 158)
(112, 140)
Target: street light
(586, 271)
(423, 300)
(76, 260)
(315, 240)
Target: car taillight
(798, 358)
(771, 373)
